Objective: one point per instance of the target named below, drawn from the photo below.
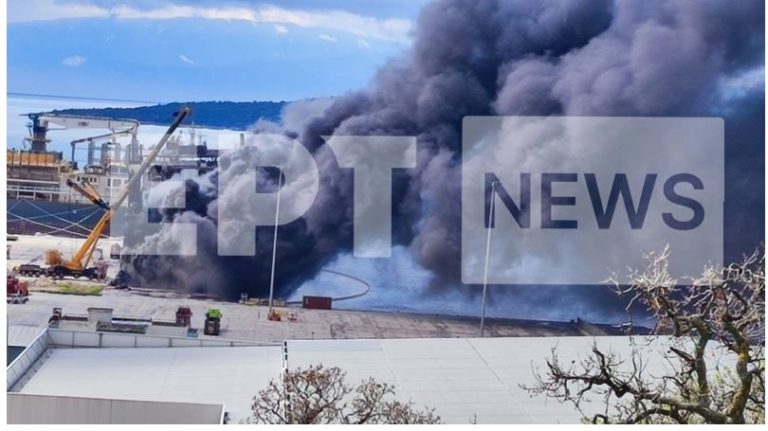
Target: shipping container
(317, 302)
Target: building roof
(211, 375)
(464, 379)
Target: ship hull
(31, 217)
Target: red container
(317, 302)
(183, 316)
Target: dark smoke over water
(589, 58)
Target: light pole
(487, 254)
(274, 243)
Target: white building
(72, 376)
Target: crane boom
(89, 193)
(110, 135)
(102, 136)
(87, 122)
(151, 157)
(82, 258)
(41, 120)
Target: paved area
(245, 322)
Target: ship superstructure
(39, 199)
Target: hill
(226, 115)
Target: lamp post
(487, 254)
(274, 243)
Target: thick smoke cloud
(628, 58)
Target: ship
(40, 196)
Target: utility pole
(487, 254)
(274, 243)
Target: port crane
(77, 266)
(40, 126)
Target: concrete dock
(249, 322)
(245, 322)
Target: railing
(74, 338)
(26, 360)
(47, 194)
(42, 194)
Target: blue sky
(184, 50)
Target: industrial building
(82, 376)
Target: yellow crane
(77, 266)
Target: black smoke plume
(622, 58)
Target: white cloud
(74, 60)
(328, 38)
(392, 29)
(280, 29)
(362, 43)
(48, 10)
(186, 59)
(366, 26)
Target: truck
(17, 290)
(78, 265)
(31, 270)
(212, 322)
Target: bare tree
(723, 308)
(319, 395)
